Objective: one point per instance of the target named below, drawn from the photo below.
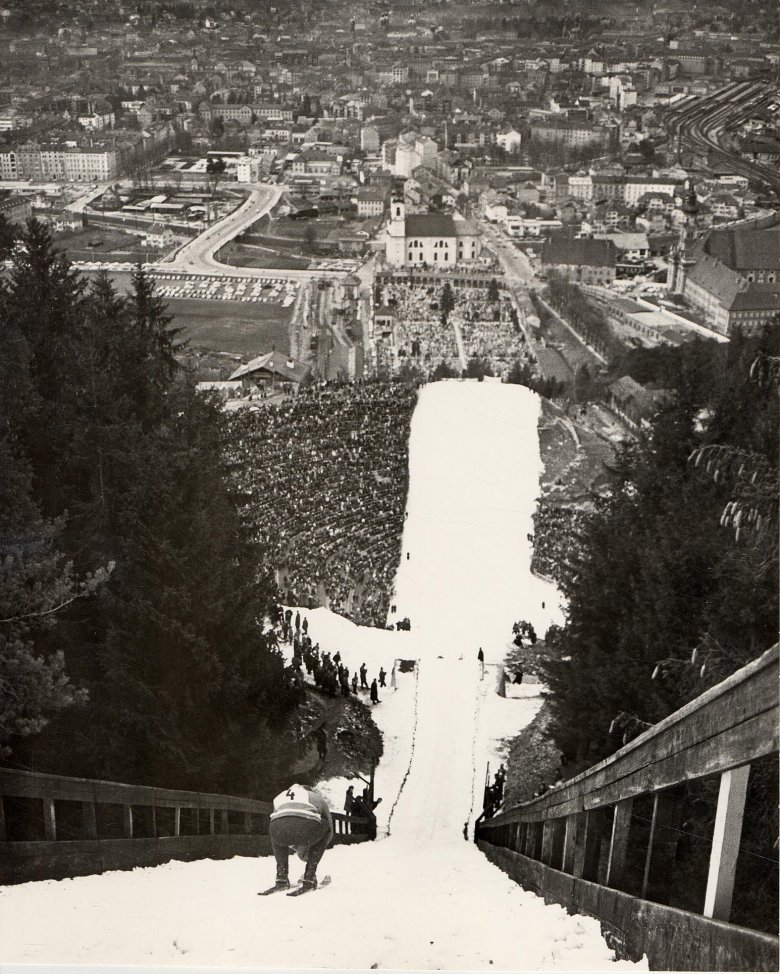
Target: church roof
(730, 290)
(430, 225)
(746, 250)
(583, 252)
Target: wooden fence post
(224, 822)
(725, 843)
(154, 822)
(618, 845)
(662, 846)
(568, 843)
(49, 820)
(211, 821)
(547, 841)
(177, 820)
(3, 832)
(528, 846)
(127, 821)
(586, 844)
(558, 827)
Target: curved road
(198, 255)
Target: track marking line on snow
(477, 719)
(411, 747)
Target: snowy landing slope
(422, 898)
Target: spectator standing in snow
(300, 821)
(481, 658)
(363, 671)
(382, 676)
(498, 786)
(354, 684)
(297, 622)
(349, 800)
(374, 692)
(518, 677)
(322, 743)
(364, 807)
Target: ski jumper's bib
(297, 802)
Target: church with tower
(730, 275)
(430, 240)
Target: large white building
(403, 155)
(58, 162)
(429, 240)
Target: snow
(421, 897)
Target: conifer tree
(36, 586)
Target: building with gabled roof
(430, 239)
(634, 402)
(586, 260)
(727, 299)
(275, 371)
(734, 277)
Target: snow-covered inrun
(422, 897)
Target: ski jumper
(300, 820)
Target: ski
(301, 889)
(274, 889)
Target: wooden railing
(572, 844)
(53, 827)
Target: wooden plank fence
(556, 844)
(52, 827)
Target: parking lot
(271, 291)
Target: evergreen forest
(132, 607)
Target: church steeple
(680, 259)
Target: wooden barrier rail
(556, 844)
(53, 827)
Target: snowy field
(421, 897)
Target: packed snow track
(421, 897)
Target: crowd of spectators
(556, 540)
(488, 330)
(329, 672)
(426, 333)
(323, 478)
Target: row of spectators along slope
(324, 481)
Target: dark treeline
(656, 573)
(572, 303)
(680, 556)
(131, 604)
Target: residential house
(585, 260)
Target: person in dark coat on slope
(374, 692)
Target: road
(198, 255)
(700, 122)
(80, 204)
(518, 273)
(516, 266)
